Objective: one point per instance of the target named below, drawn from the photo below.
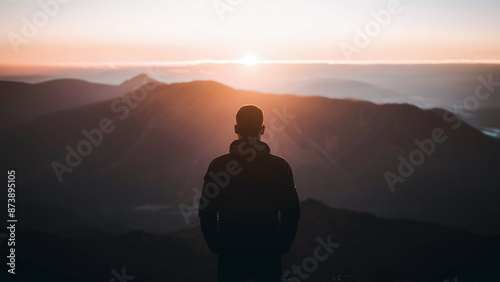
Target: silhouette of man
(249, 209)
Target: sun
(249, 60)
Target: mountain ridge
(32, 100)
(338, 149)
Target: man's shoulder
(279, 162)
(221, 159)
(278, 159)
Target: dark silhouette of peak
(137, 81)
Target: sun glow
(249, 60)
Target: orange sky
(93, 32)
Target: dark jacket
(241, 197)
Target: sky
(131, 32)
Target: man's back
(244, 193)
(251, 192)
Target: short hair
(249, 119)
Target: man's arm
(207, 211)
(289, 207)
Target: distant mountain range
(347, 89)
(447, 86)
(24, 101)
(160, 148)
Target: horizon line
(259, 62)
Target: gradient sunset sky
(114, 32)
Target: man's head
(249, 119)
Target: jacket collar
(247, 148)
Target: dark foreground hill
(157, 147)
(367, 248)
